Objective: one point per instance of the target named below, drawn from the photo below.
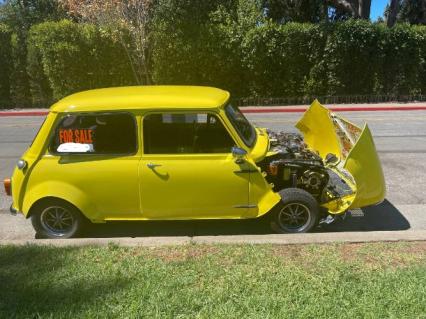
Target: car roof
(143, 97)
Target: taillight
(8, 186)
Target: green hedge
(403, 60)
(421, 36)
(348, 58)
(352, 58)
(41, 92)
(280, 58)
(75, 57)
(5, 65)
(241, 52)
(197, 43)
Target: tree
(283, 11)
(199, 42)
(413, 11)
(391, 12)
(314, 11)
(129, 20)
(410, 11)
(358, 9)
(19, 16)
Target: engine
(291, 145)
(294, 165)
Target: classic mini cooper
(182, 152)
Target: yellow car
(185, 152)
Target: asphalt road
(400, 138)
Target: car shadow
(381, 217)
(384, 216)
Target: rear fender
(63, 191)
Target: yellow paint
(192, 186)
(32, 155)
(98, 185)
(196, 185)
(337, 206)
(143, 97)
(362, 162)
(258, 152)
(364, 165)
(318, 130)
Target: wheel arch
(62, 192)
(48, 199)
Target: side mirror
(239, 154)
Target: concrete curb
(120, 241)
(276, 239)
(316, 238)
(270, 109)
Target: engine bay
(293, 164)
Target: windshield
(245, 130)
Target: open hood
(325, 132)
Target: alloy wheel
(57, 221)
(294, 217)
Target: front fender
(63, 191)
(327, 133)
(364, 165)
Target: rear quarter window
(98, 133)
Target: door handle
(152, 165)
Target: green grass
(382, 280)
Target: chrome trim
(58, 221)
(152, 165)
(289, 218)
(245, 206)
(21, 164)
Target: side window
(96, 134)
(185, 134)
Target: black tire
(49, 216)
(297, 212)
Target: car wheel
(56, 219)
(296, 213)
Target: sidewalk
(413, 106)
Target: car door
(187, 170)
